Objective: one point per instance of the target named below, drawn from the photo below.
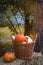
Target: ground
(37, 60)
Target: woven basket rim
(24, 44)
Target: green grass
(5, 32)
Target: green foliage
(29, 26)
(26, 5)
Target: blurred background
(14, 13)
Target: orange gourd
(9, 56)
(20, 38)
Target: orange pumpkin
(20, 38)
(9, 56)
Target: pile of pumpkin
(19, 38)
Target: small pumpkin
(9, 56)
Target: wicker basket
(24, 51)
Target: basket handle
(35, 38)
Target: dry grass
(20, 29)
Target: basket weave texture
(24, 51)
